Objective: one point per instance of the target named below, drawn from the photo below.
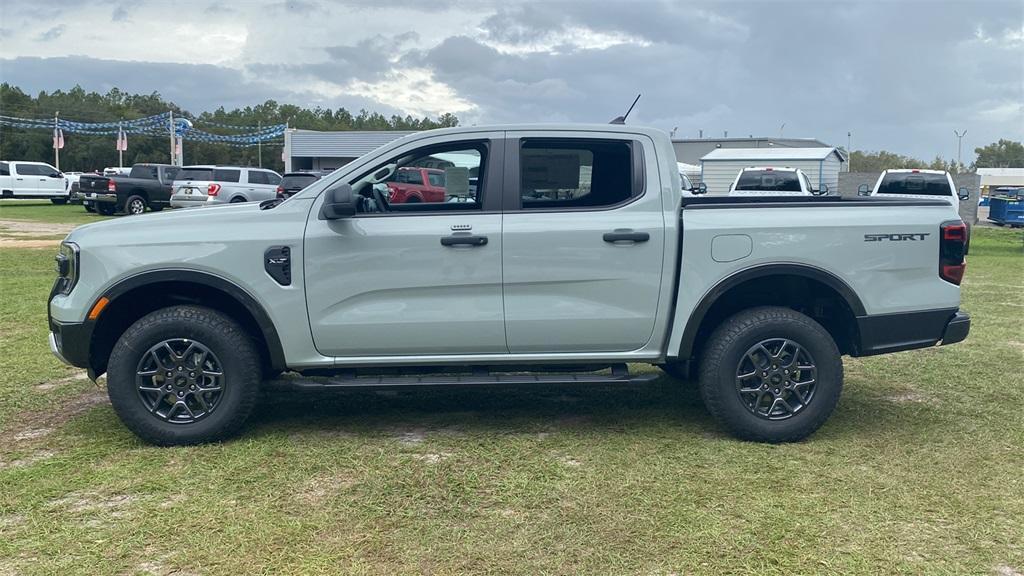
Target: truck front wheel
(771, 374)
(183, 375)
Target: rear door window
(575, 173)
(226, 175)
(915, 183)
(768, 181)
(195, 174)
(5, 169)
(258, 177)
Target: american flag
(58, 138)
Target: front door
(409, 279)
(584, 239)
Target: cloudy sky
(900, 76)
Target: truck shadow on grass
(525, 410)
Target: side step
(618, 375)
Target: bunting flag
(157, 125)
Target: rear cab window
(768, 181)
(915, 183)
(575, 173)
(144, 172)
(5, 169)
(297, 181)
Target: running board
(618, 376)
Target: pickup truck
(145, 186)
(32, 180)
(909, 183)
(757, 299)
(773, 181)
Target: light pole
(781, 128)
(959, 141)
(849, 152)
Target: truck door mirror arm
(701, 188)
(863, 190)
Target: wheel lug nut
(180, 368)
(180, 394)
(191, 374)
(192, 387)
(169, 374)
(168, 386)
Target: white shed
(720, 167)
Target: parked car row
(33, 180)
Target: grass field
(46, 211)
(920, 470)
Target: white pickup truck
(574, 252)
(773, 181)
(913, 183)
(32, 180)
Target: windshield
(769, 180)
(915, 183)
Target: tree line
(86, 152)
(1001, 154)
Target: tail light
(953, 241)
(213, 189)
(111, 186)
(280, 191)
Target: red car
(417, 185)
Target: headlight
(67, 267)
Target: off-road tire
(235, 350)
(728, 345)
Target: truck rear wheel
(183, 375)
(104, 208)
(134, 205)
(771, 374)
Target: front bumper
(70, 342)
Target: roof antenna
(622, 119)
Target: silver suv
(203, 185)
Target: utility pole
(259, 141)
(849, 152)
(120, 151)
(781, 128)
(959, 141)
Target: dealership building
(315, 151)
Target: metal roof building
(992, 178)
(720, 166)
(691, 150)
(313, 150)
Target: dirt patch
(81, 502)
(411, 437)
(161, 567)
(32, 228)
(1007, 571)
(77, 377)
(433, 457)
(8, 243)
(32, 422)
(907, 397)
(28, 460)
(570, 462)
(322, 487)
(32, 434)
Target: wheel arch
(802, 287)
(138, 295)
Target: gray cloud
(52, 33)
(900, 76)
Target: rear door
(51, 181)
(262, 184)
(412, 279)
(24, 179)
(583, 242)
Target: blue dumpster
(1006, 207)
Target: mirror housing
(964, 193)
(339, 202)
(701, 188)
(823, 191)
(863, 190)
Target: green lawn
(46, 211)
(920, 470)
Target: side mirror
(823, 191)
(701, 188)
(964, 194)
(56, 175)
(339, 202)
(863, 190)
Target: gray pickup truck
(555, 254)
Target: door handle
(626, 235)
(463, 240)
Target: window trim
(491, 176)
(511, 194)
